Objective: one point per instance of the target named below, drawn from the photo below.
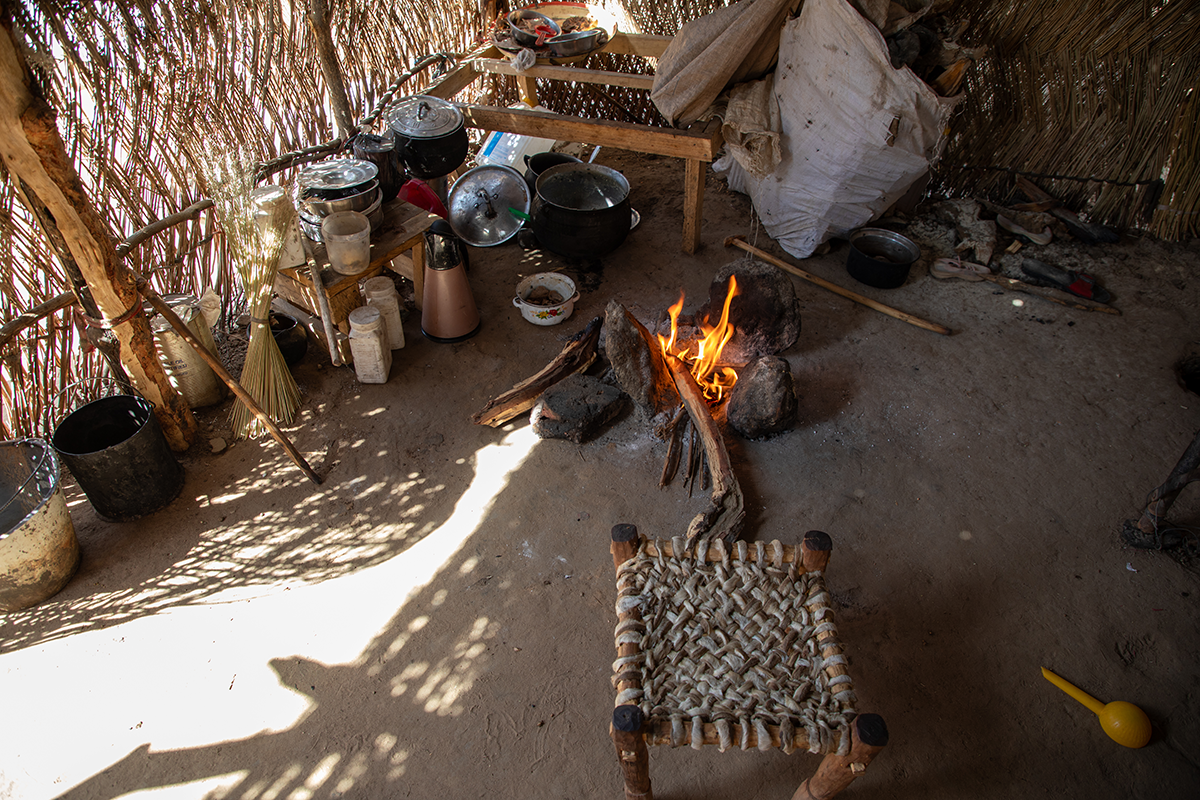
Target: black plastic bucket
(116, 450)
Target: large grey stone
(637, 362)
(576, 408)
(763, 401)
(765, 315)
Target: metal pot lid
(482, 201)
(337, 175)
(424, 117)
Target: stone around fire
(763, 401)
(765, 315)
(576, 408)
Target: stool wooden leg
(631, 752)
(624, 543)
(815, 550)
(835, 773)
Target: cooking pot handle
(527, 159)
(517, 301)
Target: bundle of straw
(255, 237)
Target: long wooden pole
(740, 241)
(161, 307)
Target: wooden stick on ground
(577, 356)
(740, 241)
(726, 512)
(161, 307)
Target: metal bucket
(38, 549)
(116, 450)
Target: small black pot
(431, 136)
(581, 210)
(291, 337)
(880, 258)
(538, 163)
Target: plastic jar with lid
(380, 293)
(368, 345)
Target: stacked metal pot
(342, 184)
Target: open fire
(703, 354)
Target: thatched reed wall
(1090, 89)
(1095, 88)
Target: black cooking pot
(581, 210)
(538, 163)
(431, 138)
(381, 151)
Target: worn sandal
(1028, 237)
(1079, 284)
(945, 268)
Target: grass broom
(255, 235)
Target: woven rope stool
(733, 647)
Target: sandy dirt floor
(436, 619)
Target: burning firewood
(726, 512)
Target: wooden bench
(697, 145)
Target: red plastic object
(418, 193)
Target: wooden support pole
(740, 241)
(816, 548)
(869, 736)
(331, 67)
(34, 152)
(693, 205)
(631, 751)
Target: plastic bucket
(117, 452)
(38, 549)
(347, 236)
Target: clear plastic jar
(380, 294)
(368, 345)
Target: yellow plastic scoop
(1125, 723)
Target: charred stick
(673, 432)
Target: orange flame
(713, 380)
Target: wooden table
(697, 145)
(403, 229)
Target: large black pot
(581, 210)
(431, 138)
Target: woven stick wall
(1088, 89)
(135, 82)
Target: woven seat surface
(745, 643)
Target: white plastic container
(380, 294)
(368, 345)
(510, 149)
(347, 236)
(266, 201)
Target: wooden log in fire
(726, 512)
(577, 356)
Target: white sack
(856, 133)
(733, 44)
(751, 126)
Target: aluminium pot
(430, 135)
(581, 210)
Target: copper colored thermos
(448, 311)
